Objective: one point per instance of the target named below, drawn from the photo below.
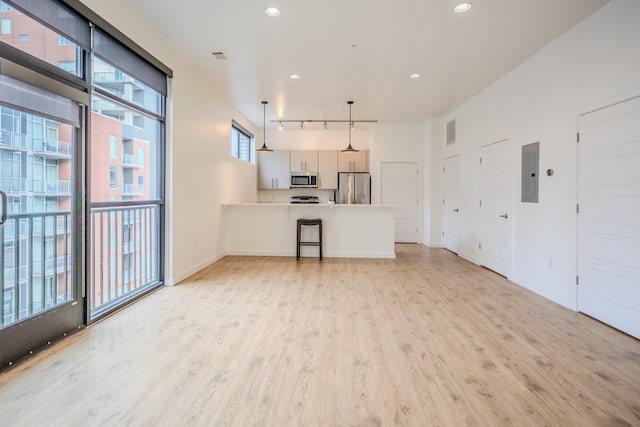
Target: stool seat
(308, 222)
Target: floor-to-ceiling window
(81, 172)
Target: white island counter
(349, 231)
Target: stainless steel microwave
(304, 180)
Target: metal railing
(36, 267)
(132, 161)
(55, 187)
(125, 258)
(53, 148)
(133, 189)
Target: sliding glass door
(41, 295)
(81, 172)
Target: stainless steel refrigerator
(354, 188)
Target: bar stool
(309, 222)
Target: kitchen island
(349, 231)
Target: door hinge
(578, 137)
(578, 208)
(577, 280)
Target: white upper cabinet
(304, 161)
(353, 162)
(327, 169)
(273, 170)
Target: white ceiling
(360, 50)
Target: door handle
(3, 219)
(456, 210)
(504, 216)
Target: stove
(304, 199)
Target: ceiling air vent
(219, 55)
(451, 132)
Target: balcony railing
(133, 189)
(129, 160)
(125, 254)
(52, 148)
(13, 140)
(53, 187)
(45, 266)
(13, 185)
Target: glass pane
(122, 85)
(30, 36)
(36, 155)
(137, 137)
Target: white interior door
(609, 216)
(451, 201)
(400, 188)
(495, 241)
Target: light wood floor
(424, 340)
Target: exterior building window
(68, 66)
(64, 42)
(241, 142)
(24, 37)
(113, 146)
(141, 156)
(113, 177)
(5, 26)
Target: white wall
(594, 64)
(202, 173)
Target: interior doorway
(451, 201)
(400, 189)
(609, 215)
(494, 203)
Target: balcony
(113, 81)
(52, 187)
(13, 141)
(10, 278)
(131, 161)
(13, 185)
(52, 148)
(133, 190)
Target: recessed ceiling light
(462, 7)
(414, 76)
(272, 12)
(294, 76)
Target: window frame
(237, 130)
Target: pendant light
(350, 149)
(264, 148)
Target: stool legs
(308, 222)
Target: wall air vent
(219, 55)
(451, 132)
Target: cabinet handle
(272, 181)
(276, 182)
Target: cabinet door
(353, 162)
(304, 161)
(273, 171)
(327, 169)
